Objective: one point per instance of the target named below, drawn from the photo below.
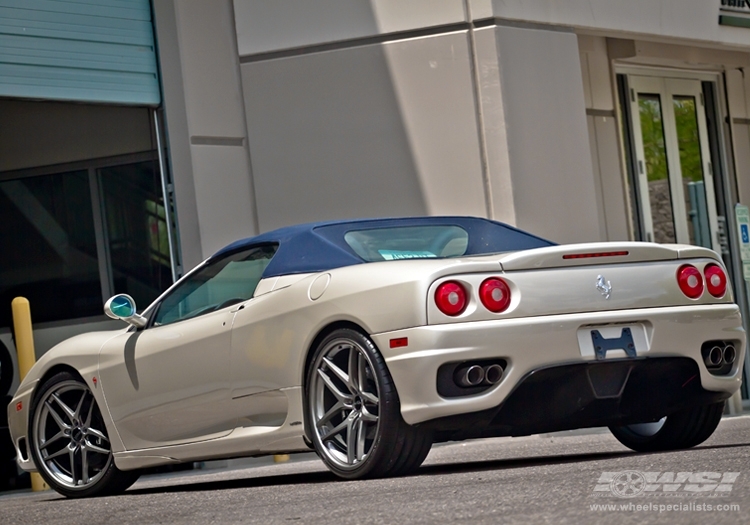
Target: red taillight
(494, 294)
(716, 280)
(690, 281)
(450, 298)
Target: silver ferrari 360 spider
(370, 340)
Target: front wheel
(70, 444)
(354, 414)
(684, 429)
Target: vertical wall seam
(622, 121)
(479, 110)
(599, 175)
(103, 255)
(168, 197)
(253, 193)
(178, 161)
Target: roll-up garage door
(80, 50)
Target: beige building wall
(694, 21)
(285, 112)
(738, 93)
(264, 27)
(386, 129)
(550, 164)
(351, 117)
(611, 184)
(205, 125)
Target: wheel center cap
(77, 435)
(358, 403)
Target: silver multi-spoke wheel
(70, 438)
(345, 403)
(353, 414)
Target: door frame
(667, 89)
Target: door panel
(170, 384)
(675, 185)
(267, 337)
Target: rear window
(408, 242)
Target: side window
(220, 284)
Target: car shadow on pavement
(513, 463)
(238, 483)
(320, 477)
(327, 477)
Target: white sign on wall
(734, 13)
(742, 214)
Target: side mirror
(122, 307)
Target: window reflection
(136, 230)
(657, 172)
(49, 247)
(691, 165)
(220, 284)
(65, 244)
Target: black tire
(684, 429)
(350, 393)
(64, 413)
(413, 457)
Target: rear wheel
(684, 429)
(70, 444)
(354, 414)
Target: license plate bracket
(602, 345)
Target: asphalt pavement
(576, 477)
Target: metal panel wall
(82, 50)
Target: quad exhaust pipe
(470, 375)
(729, 354)
(713, 357)
(493, 374)
(718, 356)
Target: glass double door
(675, 189)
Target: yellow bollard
(26, 358)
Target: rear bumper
(613, 393)
(534, 344)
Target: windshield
(408, 242)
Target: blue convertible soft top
(316, 247)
